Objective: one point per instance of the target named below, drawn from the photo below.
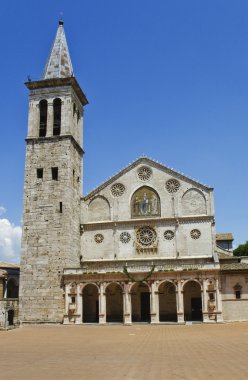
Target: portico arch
(90, 304)
(192, 297)
(114, 303)
(167, 302)
(140, 300)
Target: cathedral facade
(139, 248)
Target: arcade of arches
(152, 301)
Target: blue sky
(164, 78)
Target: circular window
(125, 237)
(144, 173)
(172, 185)
(146, 235)
(98, 238)
(195, 234)
(169, 235)
(117, 189)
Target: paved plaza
(125, 352)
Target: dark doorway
(90, 304)
(114, 303)
(97, 312)
(12, 289)
(167, 302)
(11, 317)
(196, 309)
(192, 301)
(145, 307)
(140, 300)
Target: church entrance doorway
(114, 303)
(140, 298)
(11, 317)
(167, 302)
(90, 304)
(192, 301)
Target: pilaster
(180, 305)
(127, 305)
(49, 119)
(204, 301)
(79, 305)
(102, 305)
(154, 304)
(219, 316)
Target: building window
(78, 116)
(56, 117)
(237, 291)
(237, 294)
(43, 118)
(60, 207)
(73, 299)
(211, 296)
(40, 173)
(55, 173)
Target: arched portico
(114, 303)
(192, 301)
(140, 301)
(90, 304)
(167, 302)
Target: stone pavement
(125, 352)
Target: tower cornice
(59, 82)
(53, 139)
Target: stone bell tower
(52, 188)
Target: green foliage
(241, 250)
(131, 278)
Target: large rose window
(146, 236)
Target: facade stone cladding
(139, 248)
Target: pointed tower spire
(59, 62)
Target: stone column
(5, 288)
(67, 301)
(205, 301)
(102, 304)
(154, 304)
(218, 303)
(49, 120)
(127, 316)
(33, 119)
(180, 304)
(66, 115)
(79, 318)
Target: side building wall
(234, 285)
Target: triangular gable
(146, 161)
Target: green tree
(241, 250)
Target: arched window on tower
(43, 118)
(56, 117)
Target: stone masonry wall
(51, 239)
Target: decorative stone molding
(98, 238)
(125, 237)
(117, 189)
(172, 185)
(146, 236)
(169, 235)
(195, 234)
(144, 173)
